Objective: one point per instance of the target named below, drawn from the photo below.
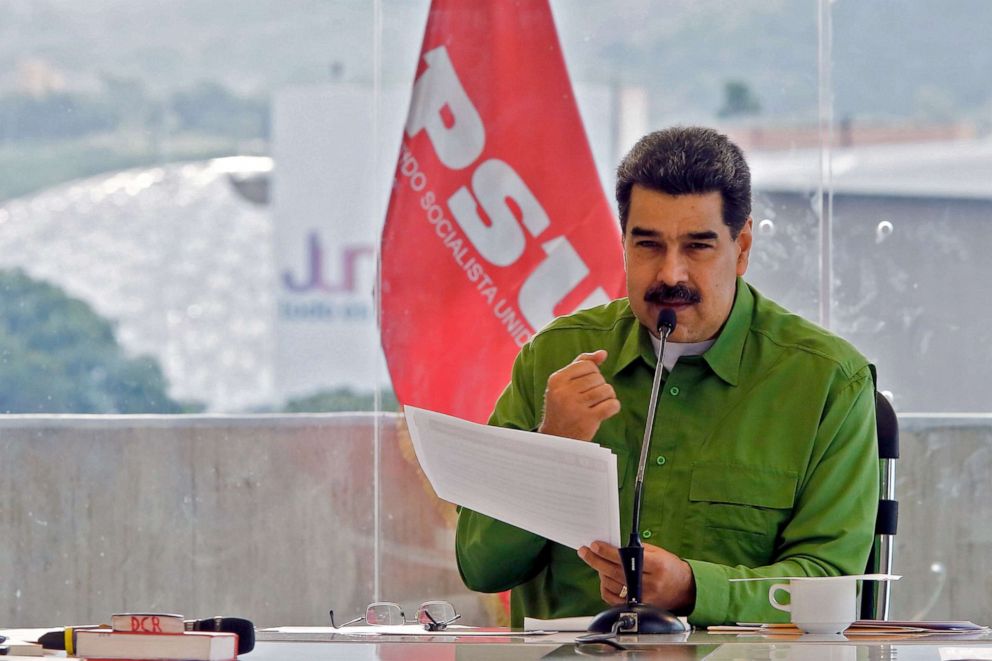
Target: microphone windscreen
(666, 319)
(888, 428)
(244, 628)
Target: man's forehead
(675, 215)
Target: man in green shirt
(763, 460)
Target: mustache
(660, 293)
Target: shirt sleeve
(492, 555)
(833, 523)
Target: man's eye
(700, 246)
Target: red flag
(497, 221)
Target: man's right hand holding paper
(578, 399)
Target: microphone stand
(634, 616)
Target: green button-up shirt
(763, 461)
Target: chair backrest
(875, 595)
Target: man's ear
(623, 248)
(743, 240)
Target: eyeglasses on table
(433, 615)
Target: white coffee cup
(819, 604)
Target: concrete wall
(272, 518)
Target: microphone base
(636, 618)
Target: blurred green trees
(739, 100)
(59, 356)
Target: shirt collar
(637, 345)
(724, 357)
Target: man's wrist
(688, 591)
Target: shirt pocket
(739, 511)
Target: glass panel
(913, 194)
(154, 260)
(662, 64)
(943, 549)
(418, 535)
(141, 214)
(190, 211)
(912, 176)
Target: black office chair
(875, 594)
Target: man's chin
(681, 335)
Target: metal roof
(953, 169)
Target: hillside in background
(99, 86)
(59, 356)
(892, 58)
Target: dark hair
(688, 161)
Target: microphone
(635, 616)
(244, 628)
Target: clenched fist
(578, 399)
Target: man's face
(679, 254)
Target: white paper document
(453, 630)
(558, 624)
(559, 488)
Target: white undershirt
(675, 350)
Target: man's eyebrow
(707, 235)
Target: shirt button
(674, 390)
(646, 534)
(660, 460)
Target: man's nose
(672, 269)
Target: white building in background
(329, 195)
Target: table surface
(697, 645)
